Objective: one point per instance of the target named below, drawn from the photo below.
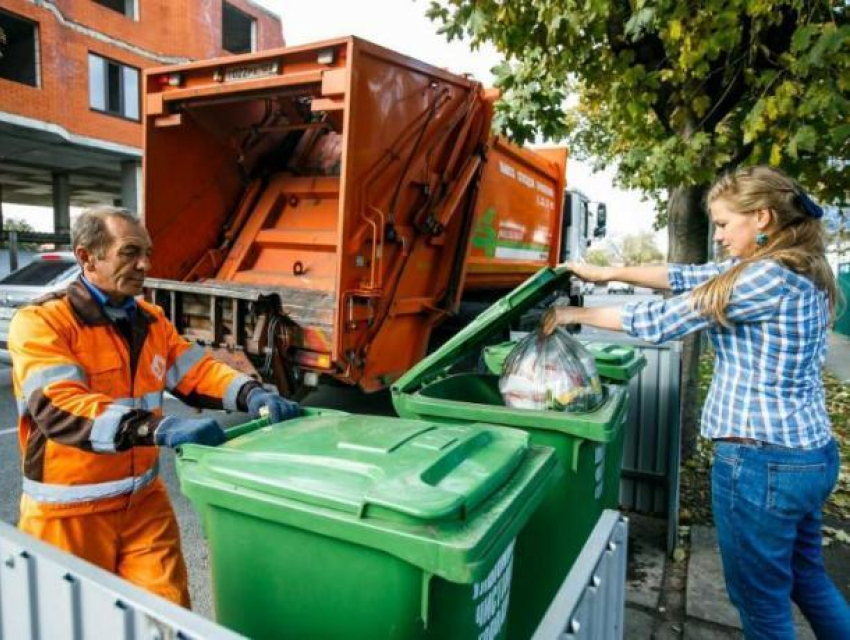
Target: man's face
(121, 270)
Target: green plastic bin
(341, 526)
(588, 445)
(842, 322)
(615, 363)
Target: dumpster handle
(576, 448)
(426, 597)
(248, 427)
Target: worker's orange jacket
(89, 402)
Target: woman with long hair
(767, 310)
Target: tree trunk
(687, 225)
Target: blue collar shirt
(124, 311)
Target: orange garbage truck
(318, 210)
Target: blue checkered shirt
(767, 381)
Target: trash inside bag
(553, 373)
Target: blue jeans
(767, 503)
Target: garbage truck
(318, 210)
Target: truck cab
(582, 222)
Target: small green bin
(588, 445)
(341, 526)
(614, 363)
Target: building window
(238, 30)
(18, 49)
(125, 7)
(113, 87)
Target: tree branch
(738, 158)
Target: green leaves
(670, 92)
(640, 22)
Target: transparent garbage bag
(552, 372)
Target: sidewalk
(686, 597)
(838, 356)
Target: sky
(401, 25)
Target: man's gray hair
(90, 230)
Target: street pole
(13, 250)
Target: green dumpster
(614, 363)
(589, 445)
(842, 322)
(342, 526)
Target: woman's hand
(589, 272)
(559, 316)
(600, 317)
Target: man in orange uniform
(90, 366)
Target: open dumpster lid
(476, 333)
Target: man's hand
(589, 272)
(559, 316)
(279, 408)
(173, 432)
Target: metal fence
(651, 442)
(46, 594)
(590, 605)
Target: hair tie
(809, 206)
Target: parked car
(46, 273)
(616, 287)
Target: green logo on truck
(485, 236)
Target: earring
(761, 239)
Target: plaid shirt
(767, 373)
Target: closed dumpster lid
(616, 361)
(415, 489)
(473, 337)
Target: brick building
(70, 79)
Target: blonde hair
(797, 240)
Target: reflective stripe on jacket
(86, 414)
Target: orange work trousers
(140, 543)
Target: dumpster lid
(475, 334)
(447, 499)
(616, 361)
(613, 354)
(373, 467)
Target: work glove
(279, 408)
(173, 432)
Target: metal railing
(590, 605)
(46, 594)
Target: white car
(588, 288)
(46, 273)
(617, 287)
